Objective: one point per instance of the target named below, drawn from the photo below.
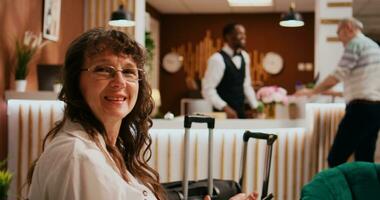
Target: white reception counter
(298, 153)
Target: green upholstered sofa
(349, 181)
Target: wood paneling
(263, 34)
(339, 4)
(330, 21)
(332, 39)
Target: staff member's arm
(249, 92)
(213, 76)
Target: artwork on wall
(52, 14)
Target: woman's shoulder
(71, 142)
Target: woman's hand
(240, 196)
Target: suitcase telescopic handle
(270, 138)
(189, 119)
(198, 118)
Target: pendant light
(121, 18)
(291, 18)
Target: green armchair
(349, 181)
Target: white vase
(57, 87)
(21, 85)
(282, 111)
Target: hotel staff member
(359, 70)
(227, 79)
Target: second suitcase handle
(270, 138)
(264, 136)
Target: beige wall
(17, 17)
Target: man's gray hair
(353, 21)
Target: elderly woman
(101, 147)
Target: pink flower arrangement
(272, 94)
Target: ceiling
(368, 11)
(221, 6)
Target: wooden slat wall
(195, 58)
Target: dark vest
(230, 88)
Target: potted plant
(149, 46)
(5, 181)
(25, 51)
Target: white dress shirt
(74, 167)
(215, 72)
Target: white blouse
(73, 167)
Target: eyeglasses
(103, 72)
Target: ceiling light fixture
(121, 18)
(292, 18)
(241, 3)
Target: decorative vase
(270, 110)
(57, 87)
(293, 111)
(281, 111)
(261, 115)
(21, 85)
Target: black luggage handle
(198, 118)
(270, 138)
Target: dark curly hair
(133, 132)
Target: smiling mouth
(115, 98)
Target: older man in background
(359, 70)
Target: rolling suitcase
(270, 138)
(197, 190)
(217, 189)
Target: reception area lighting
(291, 18)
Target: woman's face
(110, 93)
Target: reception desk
(298, 154)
